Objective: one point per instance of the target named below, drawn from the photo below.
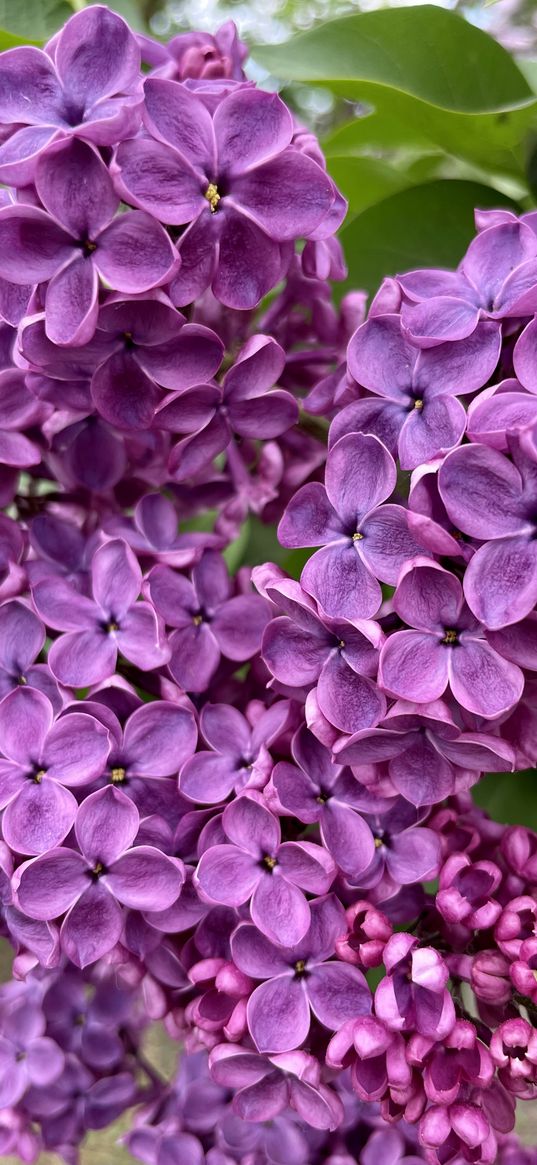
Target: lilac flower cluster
(244, 810)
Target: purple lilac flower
(27, 1056)
(376, 1055)
(152, 533)
(22, 637)
(92, 885)
(415, 411)
(362, 539)
(466, 892)
(208, 620)
(77, 238)
(266, 1086)
(154, 743)
(40, 757)
(97, 628)
(86, 84)
(493, 500)
(233, 177)
(445, 646)
(406, 852)
(197, 54)
(255, 866)
(413, 994)
(498, 411)
(238, 754)
(297, 978)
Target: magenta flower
(238, 754)
(86, 84)
(303, 651)
(446, 646)
(234, 177)
(197, 54)
(266, 1086)
(425, 751)
(298, 979)
(255, 866)
(362, 540)
(39, 758)
(415, 410)
(413, 995)
(208, 620)
(140, 345)
(97, 628)
(492, 499)
(466, 892)
(456, 1063)
(92, 885)
(376, 1055)
(316, 790)
(78, 238)
(460, 1129)
(496, 279)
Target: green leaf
(373, 131)
(365, 181)
(425, 67)
(510, 798)
(429, 225)
(33, 21)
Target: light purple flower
(86, 84)
(405, 851)
(78, 238)
(493, 500)
(239, 752)
(376, 1055)
(39, 757)
(415, 410)
(362, 540)
(90, 887)
(304, 651)
(496, 279)
(413, 995)
(22, 637)
(317, 790)
(209, 620)
(234, 177)
(445, 646)
(97, 628)
(266, 1086)
(297, 979)
(197, 54)
(27, 1056)
(498, 411)
(466, 892)
(255, 866)
(156, 740)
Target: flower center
(269, 862)
(97, 871)
(378, 842)
(197, 619)
(88, 247)
(111, 626)
(213, 197)
(357, 537)
(451, 637)
(300, 968)
(418, 404)
(118, 776)
(21, 680)
(37, 777)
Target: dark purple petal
(96, 55)
(75, 187)
(47, 886)
(135, 253)
(278, 1015)
(92, 926)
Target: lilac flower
(459, 1061)
(152, 533)
(445, 646)
(301, 650)
(255, 866)
(76, 239)
(40, 758)
(513, 1048)
(376, 1054)
(496, 279)
(246, 404)
(316, 790)
(362, 540)
(466, 892)
(425, 751)
(18, 410)
(368, 932)
(155, 742)
(498, 411)
(86, 84)
(266, 1086)
(91, 886)
(22, 637)
(209, 620)
(239, 754)
(197, 54)
(405, 851)
(139, 344)
(97, 628)
(492, 499)
(299, 978)
(233, 177)
(460, 1129)
(27, 1056)
(415, 410)
(413, 995)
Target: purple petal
(225, 729)
(494, 254)
(123, 394)
(278, 1015)
(494, 413)
(431, 431)
(253, 126)
(428, 598)
(96, 55)
(47, 886)
(279, 909)
(380, 358)
(286, 197)
(238, 626)
(500, 583)
(255, 955)
(159, 737)
(421, 774)
(74, 185)
(135, 253)
(249, 824)
(414, 856)
(459, 367)
(414, 665)
(348, 838)
(381, 418)
(388, 542)
(482, 681)
(191, 358)
(156, 179)
(21, 637)
(481, 491)
(263, 1100)
(141, 638)
(32, 245)
(250, 262)
(39, 818)
(63, 608)
(439, 319)
(30, 92)
(195, 657)
(349, 701)
(292, 654)
(179, 117)
(25, 720)
(307, 865)
(92, 927)
(208, 778)
(20, 153)
(309, 519)
(227, 874)
(116, 577)
(360, 474)
(340, 581)
(144, 877)
(76, 749)
(71, 303)
(106, 825)
(272, 414)
(337, 992)
(45, 1061)
(81, 658)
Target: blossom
(267, 1085)
(27, 1056)
(92, 885)
(233, 177)
(22, 637)
(77, 238)
(413, 994)
(238, 755)
(298, 978)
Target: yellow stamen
(118, 776)
(357, 537)
(450, 638)
(213, 197)
(418, 404)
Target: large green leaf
(429, 225)
(509, 797)
(365, 181)
(374, 131)
(33, 21)
(422, 66)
